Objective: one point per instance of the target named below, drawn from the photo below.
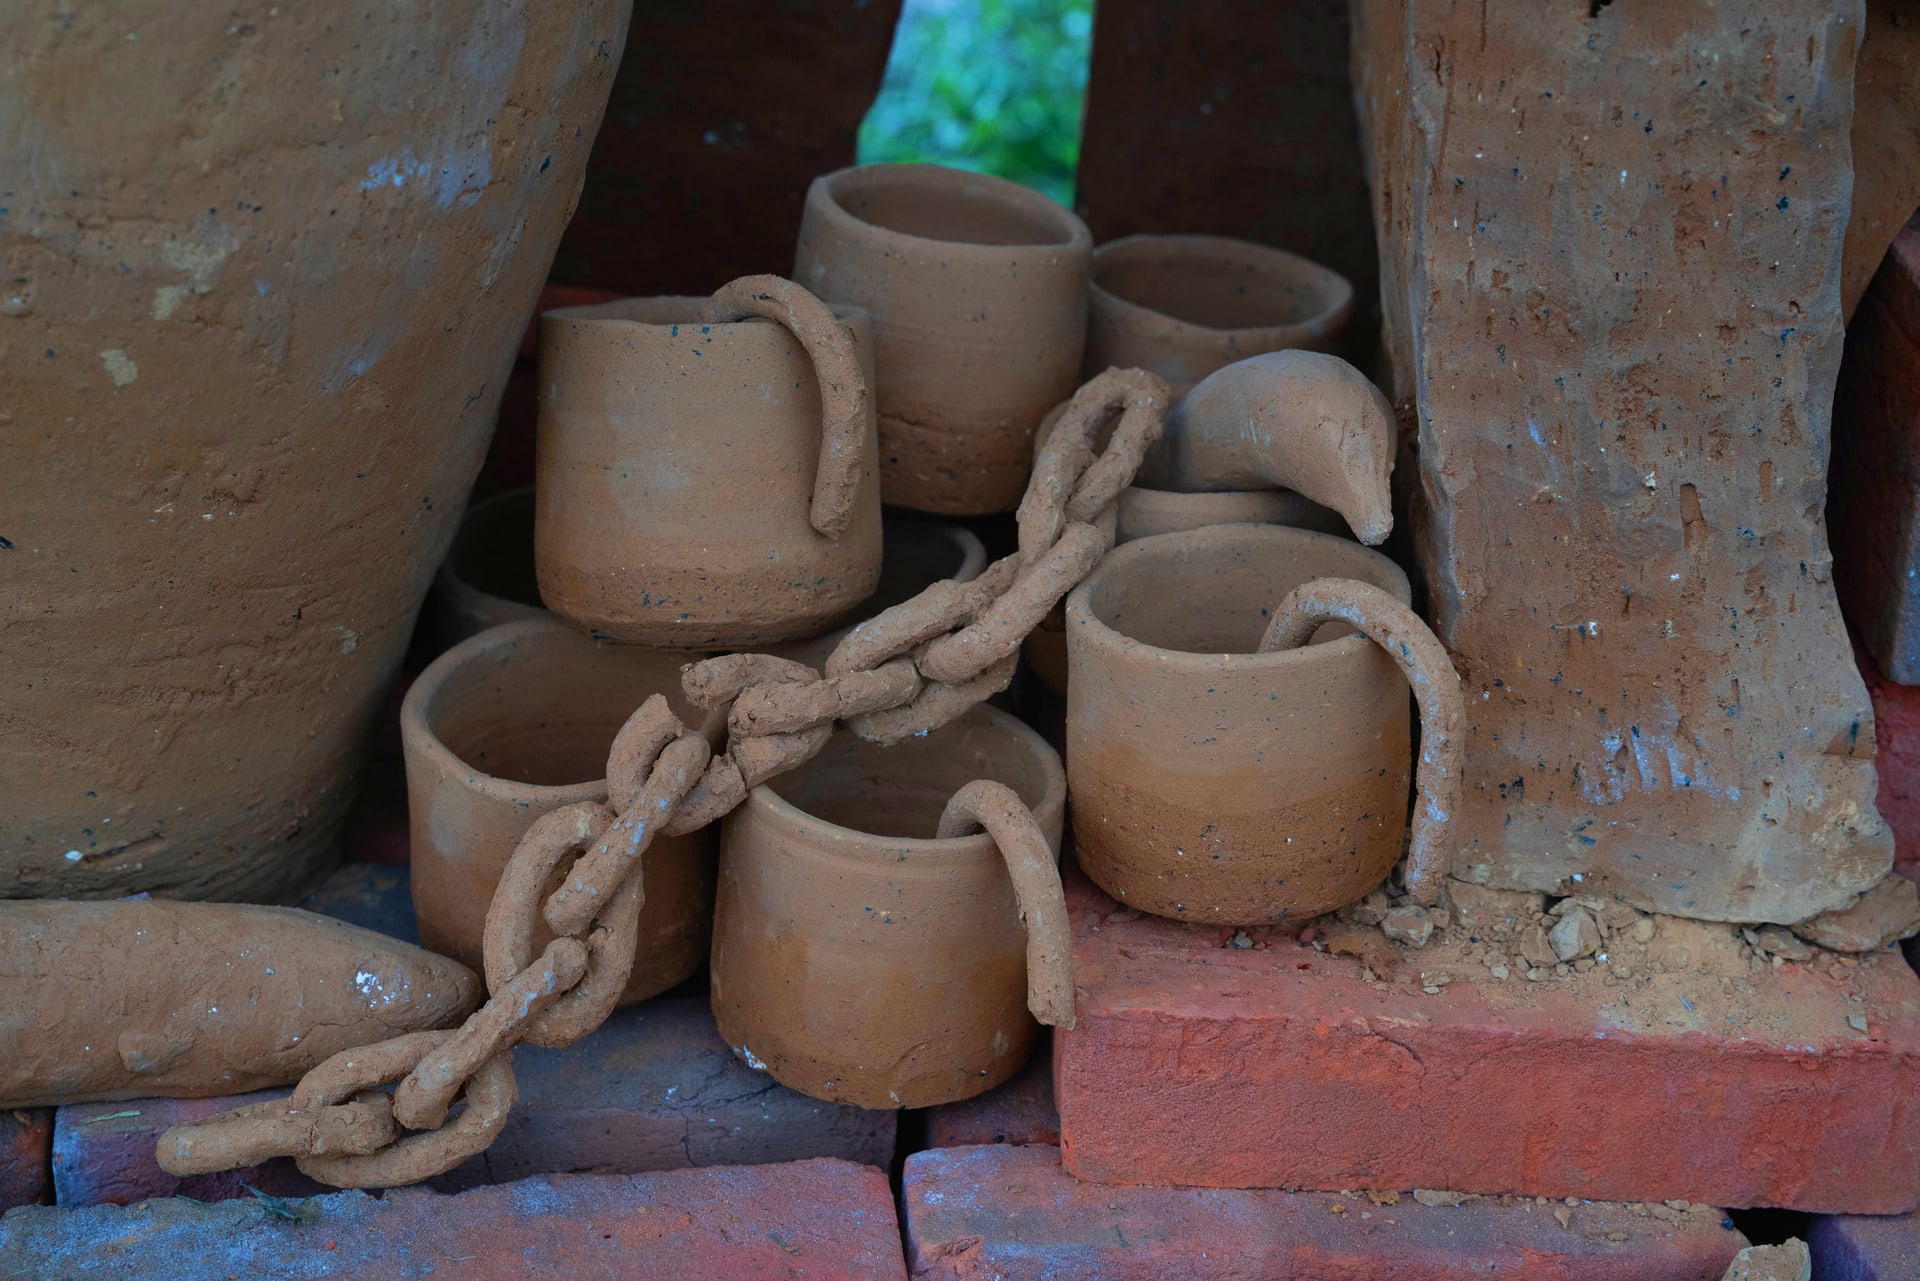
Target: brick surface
(1019, 1111)
(1860, 1247)
(807, 1219)
(655, 1088)
(103, 1154)
(1896, 726)
(1198, 1063)
(1013, 1214)
(26, 1157)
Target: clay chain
(905, 672)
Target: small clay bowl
(1184, 306)
(856, 958)
(514, 723)
(1213, 784)
(676, 465)
(917, 554)
(978, 291)
(487, 578)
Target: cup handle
(999, 810)
(1436, 687)
(846, 402)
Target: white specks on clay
(753, 1060)
(74, 856)
(120, 366)
(349, 639)
(167, 300)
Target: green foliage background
(990, 85)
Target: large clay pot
(487, 578)
(978, 291)
(677, 463)
(1184, 306)
(855, 958)
(253, 350)
(1215, 784)
(515, 723)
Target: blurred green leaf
(995, 86)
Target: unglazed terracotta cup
(918, 554)
(1214, 784)
(1184, 306)
(487, 578)
(510, 725)
(675, 474)
(978, 291)
(856, 959)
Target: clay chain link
(905, 672)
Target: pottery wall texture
(1232, 117)
(1618, 246)
(721, 115)
(265, 272)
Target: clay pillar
(1613, 239)
(1232, 117)
(721, 115)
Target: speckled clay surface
(676, 469)
(855, 958)
(265, 274)
(512, 724)
(978, 292)
(1217, 785)
(1184, 306)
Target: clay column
(1613, 239)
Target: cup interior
(543, 708)
(1218, 283)
(493, 552)
(1213, 590)
(936, 203)
(900, 791)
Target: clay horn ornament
(1298, 420)
(145, 998)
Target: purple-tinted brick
(26, 1157)
(825, 1219)
(103, 1154)
(1013, 1214)
(1866, 1247)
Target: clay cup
(1215, 784)
(856, 957)
(513, 724)
(487, 578)
(1184, 306)
(676, 477)
(978, 291)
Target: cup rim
(1334, 286)
(1083, 621)
(868, 847)
(824, 195)
(608, 313)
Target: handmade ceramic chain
(905, 672)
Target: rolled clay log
(134, 999)
(1298, 420)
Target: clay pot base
(516, 723)
(855, 958)
(1215, 784)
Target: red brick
(26, 1157)
(103, 1154)
(654, 1089)
(1194, 1063)
(1012, 1213)
(1019, 1111)
(1896, 730)
(1858, 1247)
(826, 1219)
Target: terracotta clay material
(512, 725)
(243, 407)
(679, 459)
(857, 957)
(1211, 783)
(978, 292)
(1146, 512)
(487, 578)
(1184, 306)
(144, 997)
(1298, 420)
(915, 553)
